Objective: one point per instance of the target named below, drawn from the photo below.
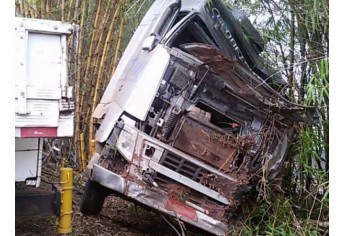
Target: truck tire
(93, 198)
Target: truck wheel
(93, 198)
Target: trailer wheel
(93, 198)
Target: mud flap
(38, 202)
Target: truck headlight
(126, 142)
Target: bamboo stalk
(26, 9)
(100, 70)
(116, 14)
(92, 148)
(82, 152)
(43, 8)
(89, 56)
(108, 63)
(35, 5)
(87, 114)
(292, 56)
(78, 80)
(32, 4)
(96, 54)
(21, 7)
(75, 10)
(70, 7)
(85, 101)
(39, 9)
(118, 45)
(63, 10)
(48, 6)
(99, 38)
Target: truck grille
(183, 167)
(188, 169)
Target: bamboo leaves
(318, 87)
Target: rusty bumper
(157, 200)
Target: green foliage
(296, 35)
(277, 219)
(318, 86)
(134, 14)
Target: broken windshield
(228, 30)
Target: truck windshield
(245, 39)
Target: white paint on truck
(43, 97)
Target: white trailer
(44, 106)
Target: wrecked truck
(192, 118)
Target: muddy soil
(118, 217)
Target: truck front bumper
(156, 199)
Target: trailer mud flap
(38, 202)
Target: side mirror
(149, 43)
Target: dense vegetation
(297, 39)
(297, 42)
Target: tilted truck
(192, 118)
(44, 106)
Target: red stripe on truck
(38, 132)
(180, 208)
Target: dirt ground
(117, 218)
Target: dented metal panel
(213, 147)
(157, 200)
(244, 84)
(142, 83)
(186, 181)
